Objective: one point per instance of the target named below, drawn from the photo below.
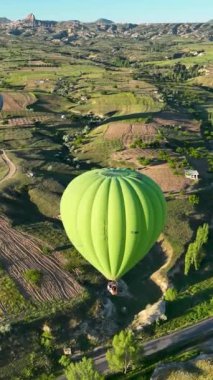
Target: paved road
(200, 331)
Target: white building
(191, 174)
(67, 351)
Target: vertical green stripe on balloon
(99, 226)
(116, 226)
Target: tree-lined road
(198, 332)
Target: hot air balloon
(113, 217)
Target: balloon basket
(112, 288)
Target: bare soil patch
(19, 253)
(17, 101)
(160, 173)
(128, 132)
(175, 118)
(164, 176)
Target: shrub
(33, 276)
(144, 161)
(193, 199)
(170, 294)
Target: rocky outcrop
(30, 19)
(106, 28)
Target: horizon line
(116, 22)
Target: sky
(136, 11)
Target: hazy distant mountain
(4, 20)
(104, 21)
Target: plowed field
(18, 253)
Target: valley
(78, 96)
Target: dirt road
(11, 166)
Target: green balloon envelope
(113, 217)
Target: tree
(47, 340)
(84, 370)
(201, 239)
(125, 352)
(194, 199)
(170, 294)
(6, 328)
(195, 253)
(202, 235)
(189, 258)
(45, 376)
(64, 361)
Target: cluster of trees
(121, 62)
(210, 163)
(124, 355)
(157, 46)
(173, 163)
(83, 370)
(178, 73)
(145, 161)
(191, 151)
(72, 141)
(207, 128)
(177, 96)
(139, 143)
(195, 252)
(63, 86)
(181, 73)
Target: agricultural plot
(19, 254)
(17, 101)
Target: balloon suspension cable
(112, 287)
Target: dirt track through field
(11, 166)
(19, 253)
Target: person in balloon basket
(112, 287)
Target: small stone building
(191, 174)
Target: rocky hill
(69, 31)
(104, 21)
(4, 20)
